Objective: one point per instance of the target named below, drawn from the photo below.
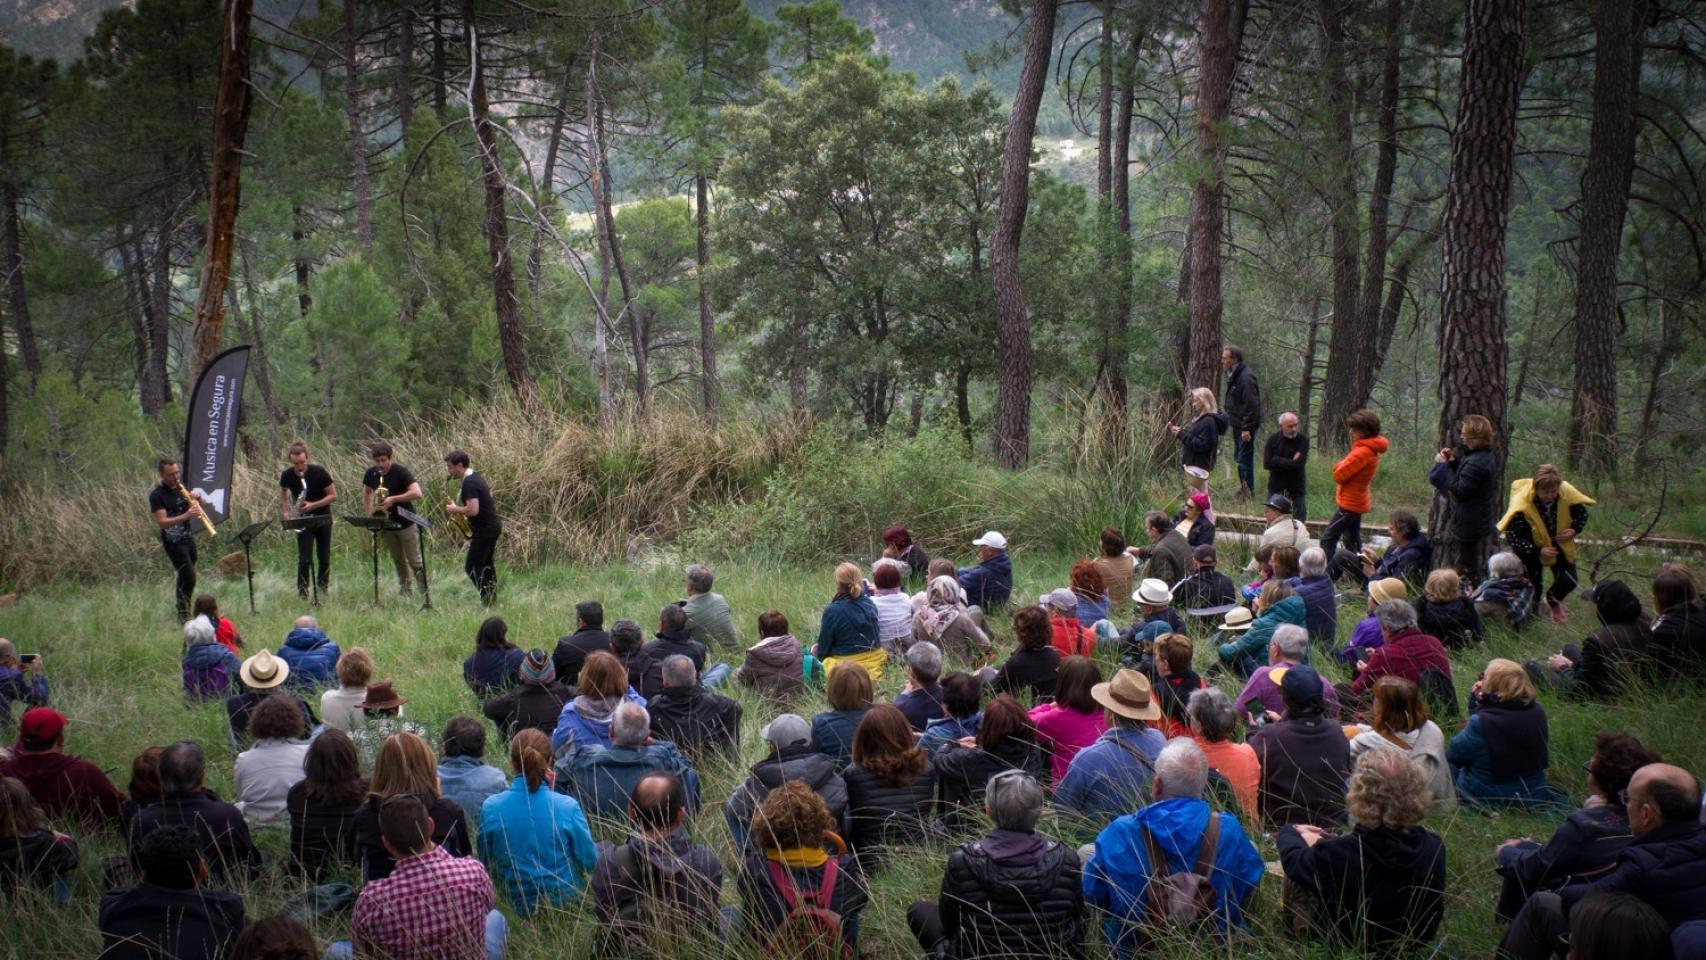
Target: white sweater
(265, 773)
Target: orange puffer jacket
(1355, 471)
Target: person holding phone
(21, 678)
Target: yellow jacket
(1522, 501)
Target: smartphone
(27, 658)
(1258, 713)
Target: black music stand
(426, 526)
(374, 526)
(300, 525)
(245, 537)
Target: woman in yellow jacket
(1545, 517)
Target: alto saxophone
(459, 522)
(379, 495)
(206, 522)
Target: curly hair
(1087, 580)
(278, 717)
(1444, 586)
(1616, 757)
(791, 816)
(1031, 628)
(883, 744)
(1387, 791)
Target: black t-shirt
(173, 502)
(475, 487)
(397, 481)
(317, 478)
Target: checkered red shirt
(432, 907)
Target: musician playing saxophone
(401, 490)
(174, 513)
(306, 490)
(482, 513)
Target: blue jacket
(603, 779)
(1254, 642)
(491, 672)
(1116, 878)
(1320, 607)
(469, 781)
(938, 732)
(847, 627)
(312, 656)
(1665, 868)
(537, 844)
(14, 685)
(199, 682)
(1470, 755)
(989, 584)
(1410, 562)
(832, 734)
(1105, 780)
(584, 730)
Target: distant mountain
(51, 28)
(928, 37)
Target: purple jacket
(1367, 636)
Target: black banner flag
(210, 441)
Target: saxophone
(459, 522)
(301, 497)
(206, 522)
(379, 495)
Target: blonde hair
(1477, 432)
(1387, 790)
(1507, 680)
(1205, 396)
(847, 581)
(1444, 586)
(405, 765)
(1547, 477)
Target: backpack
(811, 930)
(1182, 900)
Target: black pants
(1345, 565)
(314, 545)
(924, 917)
(181, 554)
(1346, 526)
(1472, 559)
(1536, 929)
(1563, 576)
(480, 564)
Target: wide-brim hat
(1129, 695)
(1390, 588)
(263, 671)
(1238, 618)
(382, 696)
(1154, 592)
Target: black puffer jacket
(1013, 895)
(1384, 888)
(1471, 483)
(695, 719)
(1455, 622)
(1200, 440)
(962, 774)
(882, 815)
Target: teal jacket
(537, 844)
(1254, 642)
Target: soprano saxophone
(206, 522)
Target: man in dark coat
(226, 845)
(989, 584)
(1243, 406)
(169, 912)
(645, 672)
(1305, 758)
(673, 638)
(589, 638)
(791, 758)
(1286, 457)
(535, 702)
(1168, 554)
(693, 718)
(658, 876)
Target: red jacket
(65, 785)
(1354, 473)
(1408, 654)
(1070, 638)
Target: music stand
(373, 525)
(425, 525)
(245, 537)
(300, 525)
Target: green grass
(112, 655)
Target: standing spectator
(30, 853)
(1382, 886)
(673, 638)
(709, 619)
(848, 629)
(1501, 754)
(1678, 640)
(1405, 651)
(1206, 588)
(207, 606)
(589, 638)
(490, 669)
(1286, 457)
(1261, 695)
(1118, 569)
(169, 911)
(695, 719)
(1005, 740)
(1408, 559)
(1351, 478)
(1470, 483)
(1275, 606)
(436, 905)
(534, 703)
(340, 707)
(899, 547)
(323, 804)
(777, 665)
(1199, 440)
(1304, 756)
(405, 768)
(1506, 596)
(463, 775)
(1169, 554)
(1320, 600)
(226, 845)
(1212, 724)
(1069, 636)
(791, 760)
(1115, 773)
(266, 771)
(850, 694)
(945, 621)
(645, 672)
(1073, 719)
(1447, 612)
(962, 694)
(787, 857)
(659, 885)
(1035, 665)
(210, 668)
(1013, 894)
(1189, 835)
(1611, 655)
(894, 607)
(262, 675)
(1092, 592)
(988, 584)
(312, 656)
(1244, 408)
(1400, 722)
(64, 786)
(535, 839)
(921, 701)
(1541, 525)
(602, 778)
(586, 719)
(891, 791)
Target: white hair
(1292, 640)
(198, 631)
(1181, 771)
(1395, 615)
(1312, 562)
(925, 659)
(1014, 801)
(1504, 565)
(629, 725)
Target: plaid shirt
(432, 907)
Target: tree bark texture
(1472, 348)
(1012, 323)
(496, 227)
(299, 261)
(707, 321)
(1348, 340)
(230, 127)
(357, 134)
(1605, 201)
(157, 312)
(547, 178)
(17, 296)
(604, 208)
(1214, 99)
(1114, 378)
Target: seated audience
(33, 690)
(207, 608)
(1678, 639)
(1261, 694)
(1320, 600)
(1091, 589)
(1032, 668)
(1191, 836)
(1073, 719)
(778, 665)
(586, 719)
(66, 787)
(1283, 529)
(340, 707)
(1012, 894)
(1507, 595)
(1404, 651)
(1500, 756)
(490, 669)
(170, 911)
(1070, 637)
(1168, 553)
(673, 639)
(698, 721)
(1381, 887)
(891, 792)
(31, 854)
(1276, 605)
(464, 776)
(1611, 655)
(589, 638)
(209, 668)
(602, 778)
(1400, 722)
(944, 619)
(848, 628)
(262, 675)
(850, 694)
(1174, 681)
(1212, 725)
(1586, 844)
(894, 606)
(1114, 773)
(1447, 612)
(791, 830)
(645, 672)
(226, 845)
(1263, 566)
(1610, 926)
(1367, 636)
(907, 555)
(323, 804)
(709, 619)
(989, 584)
(1206, 588)
(921, 700)
(1408, 559)
(1196, 520)
(267, 770)
(1117, 567)
(1303, 755)
(406, 767)
(381, 718)
(791, 758)
(535, 702)
(143, 789)
(1155, 616)
(312, 656)
(275, 938)
(535, 840)
(962, 696)
(659, 887)
(1005, 740)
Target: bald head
(1661, 794)
(308, 623)
(1288, 423)
(658, 803)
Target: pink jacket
(1065, 731)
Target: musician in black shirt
(401, 490)
(174, 511)
(482, 513)
(306, 490)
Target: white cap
(991, 538)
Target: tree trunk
(1306, 383)
(405, 67)
(547, 179)
(1527, 345)
(440, 87)
(263, 378)
(601, 315)
(1012, 323)
(707, 323)
(299, 259)
(1214, 98)
(603, 197)
(1472, 348)
(496, 227)
(357, 134)
(1114, 377)
(1394, 302)
(17, 298)
(1669, 341)
(962, 401)
(1605, 200)
(157, 389)
(134, 299)
(230, 127)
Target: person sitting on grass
(894, 607)
(989, 584)
(945, 620)
(848, 628)
(464, 775)
(225, 632)
(589, 638)
(210, 668)
(796, 850)
(1013, 893)
(1400, 722)
(1212, 724)
(1405, 651)
(382, 716)
(698, 721)
(1303, 755)
(312, 655)
(962, 695)
(673, 638)
(490, 669)
(534, 703)
(406, 767)
(1500, 756)
(1168, 553)
(1447, 612)
(266, 771)
(778, 666)
(645, 672)
(323, 804)
(226, 844)
(275, 938)
(1069, 636)
(1320, 600)
(1033, 668)
(1277, 605)
(602, 778)
(170, 911)
(850, 694)
(585, 720)
(921, 700)
(1261, 694)
(31, 854)
(891, 792)
(1610, 656)
(908, 556)
(262, 675)
(1114, 774)
(1367, 636)
(1174, 681)
(1073, 719)
(33, 691)
(1091, 589)
(340, 707)
(659, 886)
(1507, 595)
(1381, 887)
(1118, 568)
(1678, 639)
(791, 759)
(534, 839)
(1005, 740)
(66, 787)
(1206, 588)
(709, 619)
(1409, 558)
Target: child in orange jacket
(1351, 477)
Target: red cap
(40, 727)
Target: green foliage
(355, 377)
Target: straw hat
(263, 671)
(1238, 618)
(1390, 588)
(1129, 695)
